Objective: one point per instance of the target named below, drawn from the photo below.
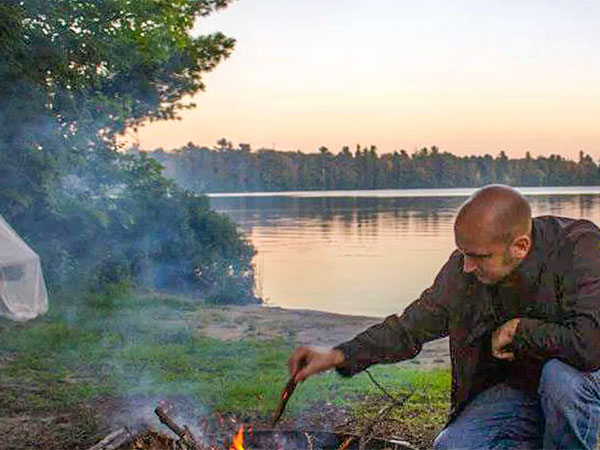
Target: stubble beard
(509, 265)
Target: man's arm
(575, 341)
(401, 337)
(395, 339)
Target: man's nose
(468, 264)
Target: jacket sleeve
(401, 337)
(576, 339)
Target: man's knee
(442, 441)
(561, 383)
(450, 438)
(570, 400)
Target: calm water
(364, 252)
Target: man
(520, 300)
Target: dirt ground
(314, 328)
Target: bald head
(495, 213)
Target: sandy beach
(314, 328)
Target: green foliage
(108, 65)
(228, 169)
(72, 75)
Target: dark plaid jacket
(555, 290)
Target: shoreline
(319, 329)
(410, 192)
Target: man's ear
(521, 246)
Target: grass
(143, 347)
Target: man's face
(489, 262)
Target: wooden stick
(309, 441)
(286, 393)
(184, 433)
(114, 440)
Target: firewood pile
(249, 439)
(149, 439)
(123, 439)
(258, 439)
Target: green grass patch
(143, 346)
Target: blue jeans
(564, 415)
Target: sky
(471, 77)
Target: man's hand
(306, 361)
(502, 337)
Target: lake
(364, 252)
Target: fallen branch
(114, 440)
(184, 433)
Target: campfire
(245, 438)
(238, 440)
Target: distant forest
(228, 169)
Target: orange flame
(238, 440)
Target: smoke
(104, 223)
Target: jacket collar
(530, 269)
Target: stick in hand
(286, 393)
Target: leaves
(73, 75)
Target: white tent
(22, 290)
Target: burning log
(114, 440)
(315, 440)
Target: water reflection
(359, 255)
(265, 211)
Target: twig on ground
(366, 435)
(309, 441)
(383, 412)
(114, 440)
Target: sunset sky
(471, 77)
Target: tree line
(73, 75)
(226, 169)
